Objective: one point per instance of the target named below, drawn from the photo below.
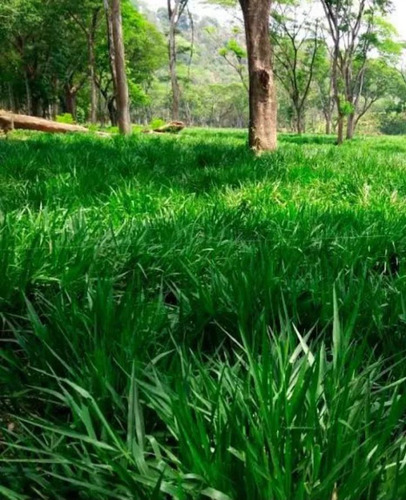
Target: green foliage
(46, 54)
(182, 319)
(393, 124)
(347, 108)
(234, 47)
(65, 118)
(80, 115)
(156, 122)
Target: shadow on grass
(308, 139)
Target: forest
(202, 250)
(55, 62)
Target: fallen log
(11, 121)
(170, 128)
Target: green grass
(183, 320)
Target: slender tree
(352, 26)
(87, 16)
(118, 65)
(296, 43)
(175, 10)
(324, 84)
(235, 56)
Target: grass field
(183, 320)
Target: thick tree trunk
(351, 126)
(262, 95)
(122, 96)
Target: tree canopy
(328, 58)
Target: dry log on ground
(11, 121)
(170, 128)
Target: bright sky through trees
(398, 17)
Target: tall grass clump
(300, 420)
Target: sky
(398, 18)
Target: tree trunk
(54, 110)
(173, 18)
(299, 126)
(11, 100)
(262, 92)
(28, 95)
(36, 105)
(329, 107)
(92, 79)
(111, 106)
(351, 126)
(122, 96)
(337, 98)
(70, 101)
(328, 125)
(91, 34)
(340, 129)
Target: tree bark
(329, 107)
(337, 98)
(11, 100)
(328, 126)
(92, 65)
(70, 101)
(111, 102)
(262, 94)
(28, 95)
(350, 126)
(299, 125)
(340, 129)
(122, 96)
(92, 78)
(111, 107)
(173, 21)
(110, 41)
